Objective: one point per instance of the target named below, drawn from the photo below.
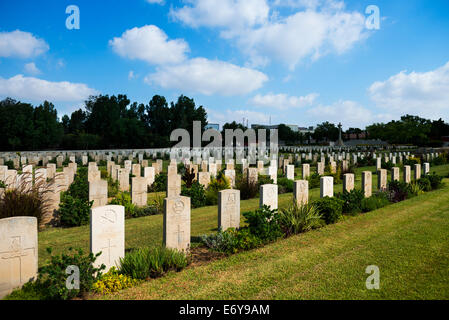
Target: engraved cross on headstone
(108, 247)
(16, 251)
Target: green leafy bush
(285, 185)
(196, 193)
(75, 206)
(331, 209)
(314, 181)
(424, 184)
(51, 280)
(436, 181)
(264, 223)
(113, 188)
(247, 190)
(375, 202)
(352, 201)
(188, 177)
(9, 164)
(299, 218)
(160, 183)
(221, 182)
(74, 212)
(147, 263)
(222, 241)
(398, 191)
(124, 199)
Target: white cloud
(131, 75)
(34, 89)
(31, 68)
(150, 44)
(283, 101)
(314, 29)
(222, 13)
(305, 34)
(418, 93)
(20, 44)
(208, 77)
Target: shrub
(264, 223)
(285, 185)
(247, 190)
(113, 281)
(9, 164)
(222, 241)
(124, 199)
(25, 200)
(352, 201)
(331, 209)
(264, 179)
(147, 263)
(188, 177)
(314, 181)
(436, 181)
(196, 193)
(74, 212)
(144, 211)
(398, 191)
(424, 184)
(299, 218)
(160, 183)
(113, 188)
(158, 204)
(415, 188)
(221, 182)
(2, 184)
(377, 201)
(51, 280)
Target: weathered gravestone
(18, 252)
(98, 193)
(269, 196)
(174, 184)
(177, 223)
(228, 209)
(367, 183)
(136, 170)
(149, 175)
(139, 189)
(301, 192)
(417, 171)
(204, 179)
(326, 187)
(395, 174)
(382, 179)
(348, 182)
(407, 174)
(252, 175)
(305, 171)
(123, 179)
(107, 235)
(290, 172)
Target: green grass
(408, 241)
(147, 231)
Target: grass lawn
(147, 231)
(408, 241)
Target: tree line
(106, 122)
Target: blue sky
(292, 61)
